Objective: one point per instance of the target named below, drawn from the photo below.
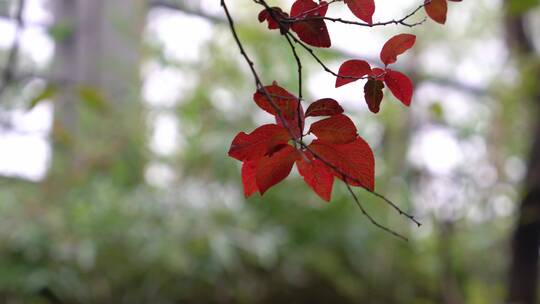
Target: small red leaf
(337, 129)
(324, 107)
(400, 85)
(265, 15)
(317, 175)
(373, 92)
(258, 143)
(312, 31)
(248, 178)
(363, 9)
(436, 10)
(292, 124)
(377, 74)
(273, 169)
(396, 46)
(353, 162)
(286, 102)
(305, 8)
(352, 70)
(323, 8)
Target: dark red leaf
(437, 10)
(377, 74)
(265, 15)
(353, 162)
(373, 92)
(293, 125)
(248, 178)
(337, 129)
(312, 31)
(323, 8)
(400, 85)
(324, 107)
(352, 68)
(306, 8)
(258, 143)
(273, 169)
(317, 175)
(396, 46)
(363, 9)
(286, 102)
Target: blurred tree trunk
(98, 127)
(523, 278)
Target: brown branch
(402, 21)
(258, 83)
(370, 218)
(452, 83)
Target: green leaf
(521, 6)
(92, 97)
(47, 92)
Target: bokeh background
(115, 185)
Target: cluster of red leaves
(270, 151)
(338, 151)
(437, 9)
(306, 19)
(399, 84)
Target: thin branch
(300, 97)
(258, 83)
(452, 83)
(370, 218)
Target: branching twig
(402, 21)
(298, 141)
(300, 97)
(370, 218)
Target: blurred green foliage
(83, 238)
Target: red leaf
(258, 143)
(293, 125)
(400, 85)
(324, 107)
(373, 92)
(305, 8)
(396, 46)
(363, 9)
(337, 129)
(377, 74)
(312, 31)
(286, 102)
(278, 13)
(248, 178)
(323, 8)
(354, 161)
(352, 68)
(275, 168)
(317, 175)
(436, 10)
